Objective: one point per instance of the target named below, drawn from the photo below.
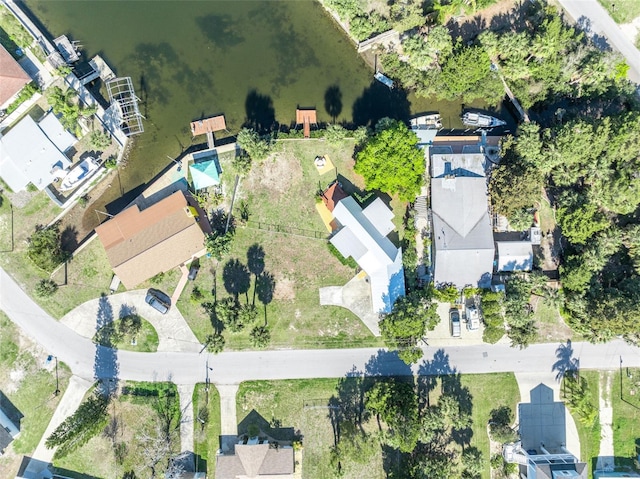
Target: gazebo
(204, 174)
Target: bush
(46, 288)
(196, 295)
(335, 134)
(157, 279)
(111, 163)
(492, 334)
(350, 262)
(45, 249)
(500, 420)
(26, 93)
(99, 140)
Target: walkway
(600, 23)
(174, 334)
(606, 460)
(185, 391)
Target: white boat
(481, 121)
(79, 173)
(427, 122)
(385, 80)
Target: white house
(362, 234)
(34, 153)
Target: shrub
(350, 262)
(111, 163)
(335, 134)
(157, 279)
(26, 93)
(196, 295)
(46, 288)
(260, 336)
(492, 334)
(99, 140)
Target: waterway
(254, 61)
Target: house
(143, 243)
(34, 153)
(514, 255)
(362, 234)
(12, 78)
(463, 247)
(541, 452)
(256, 459)
(10, 419)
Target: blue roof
(204, 174)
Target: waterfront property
(306, 117)
(361, 233)
(462, 233)
(12, 78)
(143, 243)
(33, 152)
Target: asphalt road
(602, 24)
(89, 361)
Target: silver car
(454, 323)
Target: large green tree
(391, 162)
(45, 248)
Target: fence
(290, 230)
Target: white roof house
(29, 155)
(515, 255)
(362, 234)
(462, 233)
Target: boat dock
(305, 117)
(207, 126)
(99, 69)
(67, 48)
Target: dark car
(193, 271)
(158, 300)
(454, 320)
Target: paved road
(234, 367)
(602, 24)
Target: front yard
(625, 399)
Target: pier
(207, 126)
(305, 117)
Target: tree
(500, 421)
(215, 343)
(391, 162)
(260, 336)
(407, 324)
(88, 421)
(130, 324)
(242, 164)
(45, 248)
(578, 219)
(46, 288)
(99, 140)
(256, 147)
(218, 244)
(406, 15)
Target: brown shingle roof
(256, 461)
(332, 195)
(141, 244)
(12, 76)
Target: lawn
(589, 436)
(622, 11)
(281, 191)
(146, 340)
(206, 436)
(302, 405)
(133, 415)
(625, 399)
(30, 388)
(551, 326)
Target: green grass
(146, 339)
(206, 438)
(283, 401)
(488, 392)
(589, 436)
(626, 415)
(134, 415)
(29, 387)
(622, 11)
(280, 191)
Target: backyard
(280, 191)
(625, 399)
(29, 383)
(304, 406)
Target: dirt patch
(551, 326)
(277, 172)
(285, 289)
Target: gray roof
(514, 255)
(462, 233)
(61, 138)
(255, 461)
(28, 156)
(459, 164)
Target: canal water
(254, 61)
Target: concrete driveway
(173, 331)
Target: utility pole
(57, 391)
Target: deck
(208, 125)
(305, 117)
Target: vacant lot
(625, 399)
(281, 191)
(30, 387)
(303, 406)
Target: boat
(79, 173)
(481, 121)
(385, 80)
(427, 122)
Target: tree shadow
(600, 41)
(377, 101)
(255, 263)
(265, 287)
(386, 363)
(467, 30)
(333, 101)
(236, 278)
(565, 363)
(216, 324)
(271, 429)
(106, 366)
(126, 310)
(261, 115)
(69, 239)
(347, 405)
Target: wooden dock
(207, 126)
(305, 117)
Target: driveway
(173, 331)
(601, 24)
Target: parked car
(158, 300)
(454, 323)
(193, 271)
(473, 318)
